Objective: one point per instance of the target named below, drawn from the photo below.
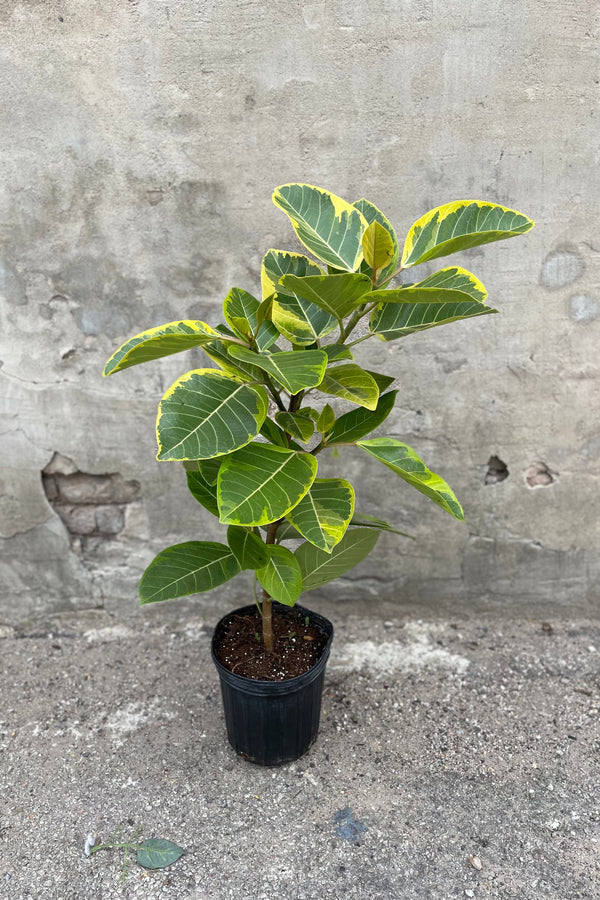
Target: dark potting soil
(297, 646)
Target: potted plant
(250, 432)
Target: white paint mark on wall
(560, 268)
(584, 309)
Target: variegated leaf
(450, 285)
(328, 226)
(378, 247)
(324, 513)
(241, 312)
(261, 483)
(396, 320)
(174, 337)
(247, 547)
(403, 460)
(295, 371)
(351, 382)
(337, 295)
(372, 214)
(459, 226)
(206, 413)
(357, 423)
(299, 426)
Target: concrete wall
(141, 143)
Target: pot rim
(286, 685)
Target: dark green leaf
(247, 547)
(357, 423)
(189, 568)
(318, 567)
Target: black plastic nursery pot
(273, 722)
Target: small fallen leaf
(156, 853)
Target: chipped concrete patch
(399, 656)
(131, 718)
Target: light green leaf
(281, 577)
(318, 567)
(450, 285)
(372, 214)
(352, 383)
(294, 370)
(206, 413)
(328, 226)
(217, 351)
(247, 547)
(337, 295)
(261, 483)
(324, 513)
(156, 853)
(299, 426)
(241, 312)
(161, 341)
(459, 226)
(382, 381)
(403, 460)
(378, 246)
(326, 419)
(359, 422)
(277, 263)
(372, 522)
(392, 320)
(200, 488)
(189, 568)
(335, 352)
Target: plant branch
(267, 610)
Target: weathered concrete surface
(141, 142)
(455, 759)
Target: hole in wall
(497, 470)
(539, 475)
(89, 505)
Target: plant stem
(267, 611)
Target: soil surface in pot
(297, 647)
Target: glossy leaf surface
(318, 567)
(460, 226)
(281, 577)
(396, 320)
(189, 568)
(403, 460)
(174, 337)
(293, 370)
(373, 214)
(247, 547)
(351, 382)
(261, 483)
(206, 413)
(337, 295)
(299, 426)
(324, 513)
(356, 424)
(328, 226)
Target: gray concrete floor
(455, 759)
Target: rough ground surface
(455, 759)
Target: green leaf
(156, 853)
(203, 491)
(277, 263)
(299, 426)
(451, 285)
(372, 522)
(247, 547)
(382, 381)
(161, 341)
(336, 352)
(318, 567)
(352, 383)
(287, 532)
(403, 460)
(337, 295)
(328, 226)
(357, 423)
(300, 321)
(217, 351)
(241, 312)
(261, 483)
(459, 226)
(206, 413)
(378, 246)
(324, 513)
(208, 467)
(189, 568)
(326, 419)
(276, 435)
(372, 214)
(295, 371)
(281, 577)
(392, 320)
